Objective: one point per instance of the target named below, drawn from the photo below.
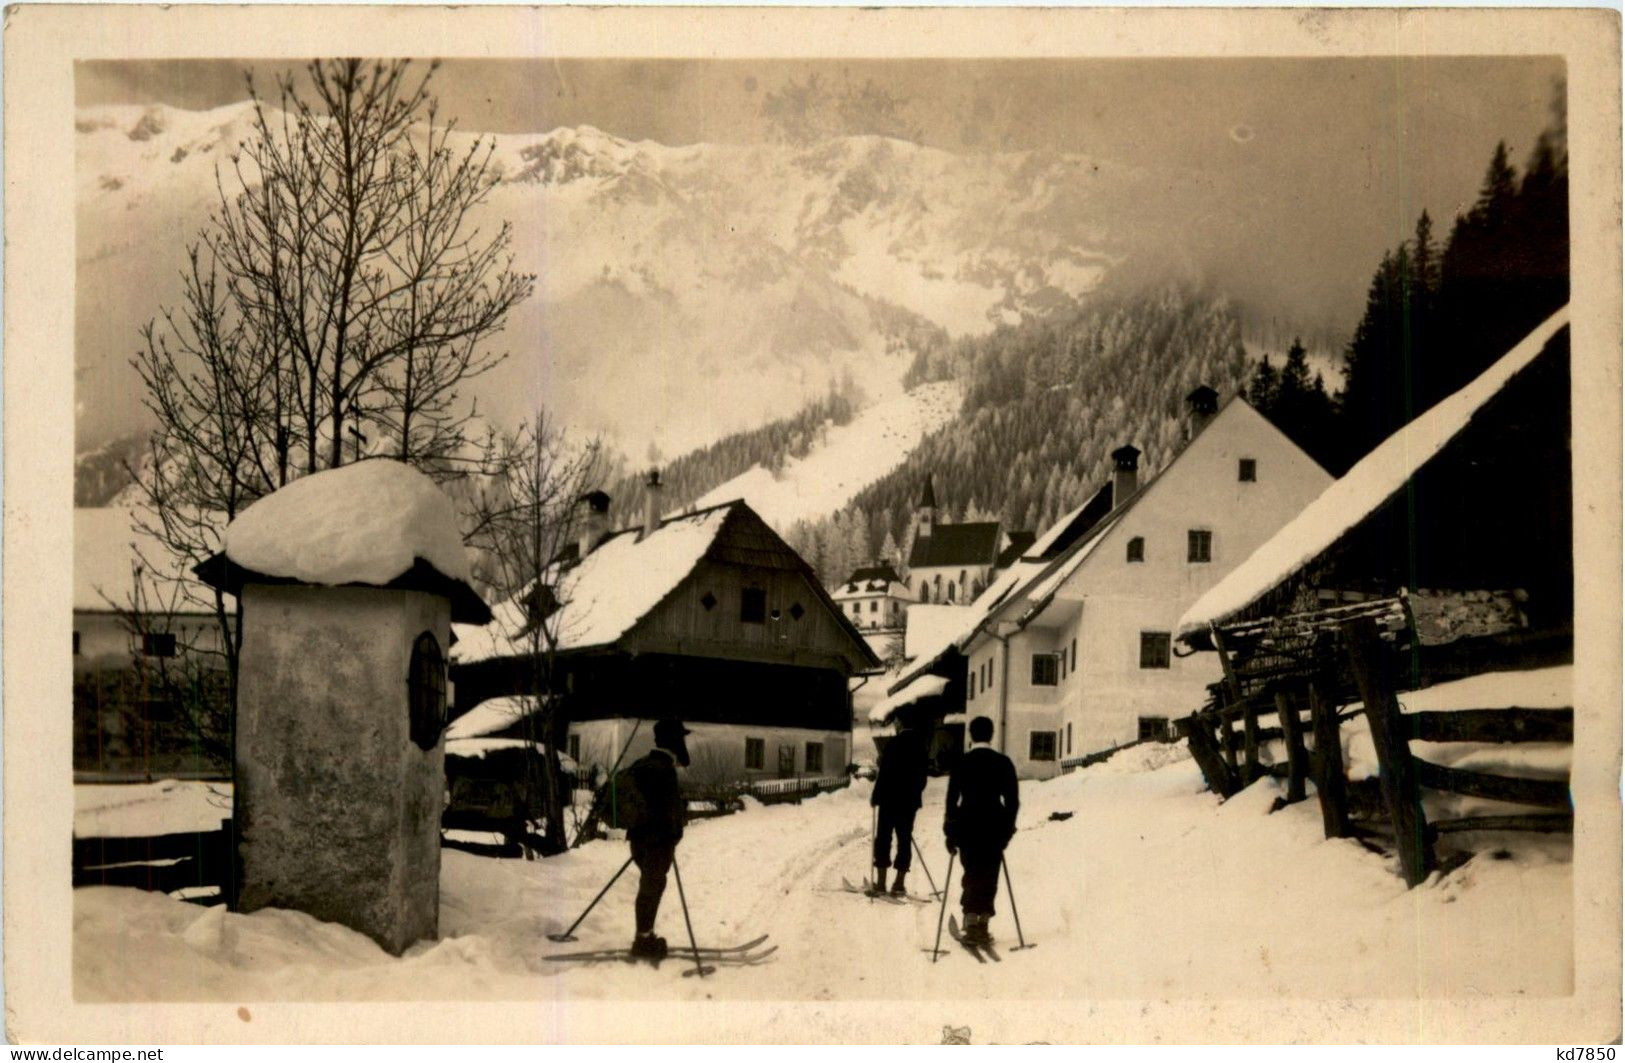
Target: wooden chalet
(1444, 554)
(710, 617)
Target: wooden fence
(1355, 661)
(201, 864)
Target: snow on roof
(925, 687)
(477, 748)
(606, 594)
(107, 545)
(1374, 479)
(491, 716)
(367, 522)
(932, 627)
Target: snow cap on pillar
(376, 522)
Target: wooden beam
(1250, 737)
(1297, 757)
(1543, 793)
(1492, 725)
(1541, 822)
(1398, 776)
(1205, 751)
(1330, 779)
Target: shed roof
(1376, 478)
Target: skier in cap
(896, 796)
(980, 820)
(658, 829)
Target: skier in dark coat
(896, 796)
(659, 828)
(981, 819)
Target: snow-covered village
(858, 535)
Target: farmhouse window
(1044, 669)
(752, 606)
(796, 611)
(158, 644)
(1200, 546)
(426, 691)
(1153, 728)
(573, 746)
(1041, 745)
(1247, 470)
(970, 688)
(1136, 549)
(857, 607)
(1154, 649)
(1062, 656)
(951, 592)
(815, 757)
(874, 605)
(709, 601)
(1069, 740)
(1074, 655)
(755, 753)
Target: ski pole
(608, 787)
(1010, 889)
(569, 935)
(874, 838)
(699, 968)
(923, 865)
(936, 950)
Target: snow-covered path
(1150, 890)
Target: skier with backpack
(981, 819)
(649, 804)
(896, 798)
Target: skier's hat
(670, 731)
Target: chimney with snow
(1125, 472)
(594, 521)
(651, 505)
(1203, 403)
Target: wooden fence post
(1297, 757)
(1199, 736)
(1400, 789)
(1249, 717)
(1330, 782)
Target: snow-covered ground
(847, 459)
(1150, 889)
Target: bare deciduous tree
(522, 524)
(342, 288)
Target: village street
(1148, 889)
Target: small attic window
(426, 691)
(752, 605)
(1136, 549)
(796, 612)
(708, 600)
(1247, 470)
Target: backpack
(626, 805)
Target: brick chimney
(594, 521)
(1203, 403)
(651, 505)
(1125, 472)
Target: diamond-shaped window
(709, 601)
(796, 612)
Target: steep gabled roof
(1378, 477)
(956, 544)
(1022, 592)
(626, 577)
